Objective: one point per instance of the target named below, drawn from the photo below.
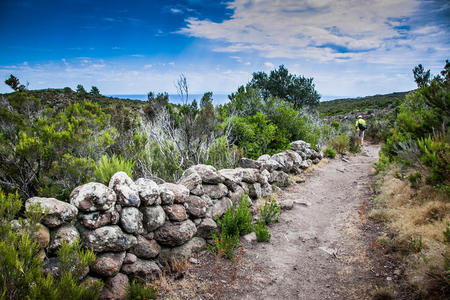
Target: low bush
(340, 143)
(270, 212)
(415, 179)
(21, 276)
(329, 152)
(382, 164)
(262, 232)
(138, 290)
(107, 166)
(354, 147)
(436, 155)
(237, 221)
(224, 245)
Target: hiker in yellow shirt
(360, 126)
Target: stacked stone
(137, 227)
(277, 167)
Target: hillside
(344, 106)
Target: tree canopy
(281, 84)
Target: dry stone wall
(137, 227)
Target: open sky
(349, 47)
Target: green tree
(14, 83)
(421, 77)
(95, 91)
(81, 90)
(281, 84)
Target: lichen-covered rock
(206, 227)
(131, 220)
(215, 191)
(264, 157)
(176, 212)
(207, 199)
(146, 270)
(66, 233)
(279, 178)
(146, 249)
(55, 212)
(266, 189)
(300, 146)
(306, 164)
(316, 161)
(236, 196)
(182, 252)
(249, 175)
(180, 191)
(98, 219)
(270, 165)
(167, 196)
(148, 191)
(154, 217)
(115, 288)
(232, 177)
(219, 208)
(195, 206)
(287, 160)
(190, 180)
(129, 258)
(107, 238)
(193, 182)
(255, 190)
(93, 196)
(208, 173)
(126, 190)
(249, 163)
(108, 264)
(175, 233)
(52, 266)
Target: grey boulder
(175, 233)
(154, 217)
(108, 264)
(93, 196)
(126, 190)
(148, 191)
(107, 238)
(55, 212)
(131, 220)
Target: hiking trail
(317, 250)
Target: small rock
(146, 270)
(193, 260)
(67, 233)
(287, 204)
(126, 190)
(115, 288)
(250, 238)
(129, 258)
(108, 264)
(180, 192)
(176, 212)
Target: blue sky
(349, 47)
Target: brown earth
(321, 249)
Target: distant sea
(217, 98)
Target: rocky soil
(320, 249)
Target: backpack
(362, 127)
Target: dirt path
(317, 251)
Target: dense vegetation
(414, 185)
(54, 140)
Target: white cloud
(322, 30)
(269, 64)
(176, 10)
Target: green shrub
(223, 156)
(329, 152)
(415, 244)
(270, 212)
(335, 125)
(262, 232)
(107, 166)
(382, 164)
(340, 143)
(436, 155)
(138, 290)
(224, 245)
(415, 179)
(354, 147)
(236, 222)
(21, 275)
